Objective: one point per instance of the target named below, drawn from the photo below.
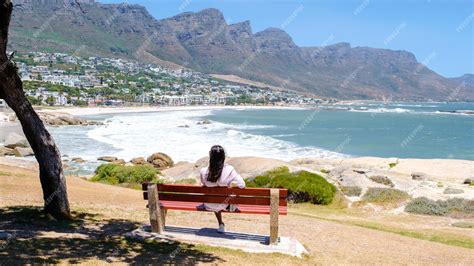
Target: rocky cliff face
(204, 41)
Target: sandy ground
(328, 242)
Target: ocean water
(401, 130)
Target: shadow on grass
(37, 238)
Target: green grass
(302, 186)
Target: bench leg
(274, 212)
(154, 208)
(163, 217)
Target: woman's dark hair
(216, 163)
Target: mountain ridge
(205, 42)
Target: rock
(185, 126)
(204, 122)
(468, 181)
(138, 160)
(360, 170)
(78, 160)
(23, 152)
(119, 161)
(107, 159)
(14, 140)
(4, 151)
(450, 190)
(160, 160)
(419, 176)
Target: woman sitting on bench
(219, 174)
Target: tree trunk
(47, 154)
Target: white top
(228, 176)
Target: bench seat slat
(218, 199)
(257, 192)
(243, 208)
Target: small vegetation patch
(325, 171)
(186, 181)
(391, 165)
(385, 195)
(302, 186)
(351, 191)
(427, 206)
(464, 224)
(381, 179)
(116, 174)
(450, 190)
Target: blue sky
(439, 32)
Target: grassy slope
(104, 213)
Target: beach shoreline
(89, 111)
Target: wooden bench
(188, 198)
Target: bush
(384, 195)
(391, 165)
(430, 207)
(463, 224)
(117, 174)
(382, 180)
(302, 186)
(351, 191)
(425, 206)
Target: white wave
(383, 110)
(137, 135)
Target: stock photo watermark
(411, 136)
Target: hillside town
(57, 79)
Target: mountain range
(205, 42)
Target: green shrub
(302, 186)
(351, 191)
(425, 206)
(384, 195)
(430, 207)
(324, 171)
(391, 165)
(118, 174)
(382, 180)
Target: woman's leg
(219, 217)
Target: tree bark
(47, 154)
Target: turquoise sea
(403, 130)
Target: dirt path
(327, 242)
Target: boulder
(468, 181)
(23, 152)
(204, 122)
(4, 151)
(14, 140)
(419, 176)
(160, 160)
(107, 159)
(78, 160)
(119, 161)
(138, 160)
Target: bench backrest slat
(222, 195)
